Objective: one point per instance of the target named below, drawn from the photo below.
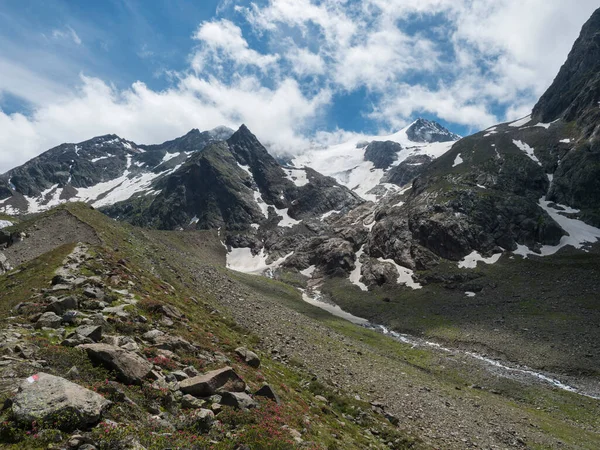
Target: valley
(415, 290)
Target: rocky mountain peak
(423, 130)
(575, 92)
(247, 149)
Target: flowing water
(501, 368)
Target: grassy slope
(148, 255)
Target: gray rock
(200, 419)
(48, 320)
(267, 392)
(92, 332)
(129, 367)
(239, 400)
(95, 293)
(248, 357)
(62, 305)
(190, 402)
(207, 384)
(4, 264)
(180, 375)
(191, 371)
(46, 398)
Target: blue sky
(297, 72)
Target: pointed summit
(423, 130)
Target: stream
(500, 368)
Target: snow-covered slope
(347, 164)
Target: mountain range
(477, 255)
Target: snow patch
(470, 294)
(242, 260)
(286, 220)
(579, 232)
(357, 272)
(457, 161)
(5, 223)
(519, 123)
(329, 214)
(470, 261)
(528, 151)
(405, 276)
(565, 141)
(308, 272)
(101, 158)
(297, 176)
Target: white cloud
(276, 116)
(67, 33)
(223, 41)
(466, 62)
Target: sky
(298, 73)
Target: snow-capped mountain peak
(350, 164)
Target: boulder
(93, 332)
(4, 264)
(48, 320)
(249, 357)
(267, 392)
(62, 305)
(129, 367)
(208, 384)
(238, 400)
(46, 398)
(199, 419)
(190, 402)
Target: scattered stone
(320, 398)
(200, 419)
(73, 373)
(190, 402)
(46, 398)
(180, 375)
(207, 384)
(48, 320)
(61, 306)
(95, 293)
(239, 400)
(70, 317)
(267, 392)
(249, 357)
(152, 335)
(129, 367)
(191, 371)
(170, 311)
(92, 332)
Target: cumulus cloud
(222, 41)
(277, 65)
(278, 115)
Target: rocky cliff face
(235, 184)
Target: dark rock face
(104, 158)
(424, 130)
(80, 165)
(382, 154)
(223, 185)
(408, 170)
(575, 93)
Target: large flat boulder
(129, 367)
(45, 398)
(207, 384)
